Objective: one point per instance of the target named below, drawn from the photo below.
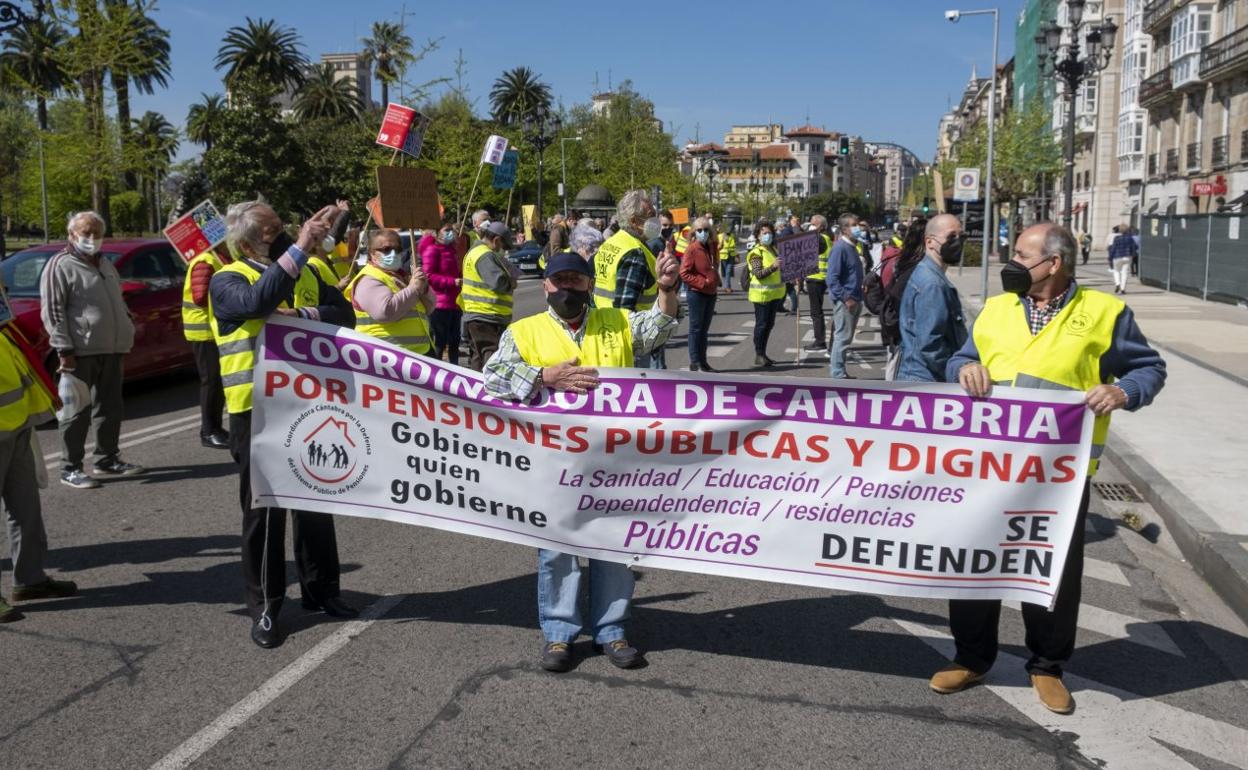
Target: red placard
(395, 125)
(196, 231)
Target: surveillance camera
(953, 16)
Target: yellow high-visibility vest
(324, 270)
(195, 326)
(608, 339)
(766, 289)
(822, 273)
(238, 348)
(727, 247)
(476, 296)
(24, 400)
(1065, 355)
(410, 332)
(607, 264)
(682, 241)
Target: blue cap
(568, 260)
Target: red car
(152, 274)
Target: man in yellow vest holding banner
(625, 269)
(817, 285)
(1048, 332)
(198, 331)
(562, 349)
(488, 283)
(270, 277)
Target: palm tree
(30, 56)
(203, 121)
(389, 50)
(517, 94)
(324, 96)
(155, 142)
(263, 50)
(143, 59)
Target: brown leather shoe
(953, 678)
(1053, 694)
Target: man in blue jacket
(845, 292)
(932, 327)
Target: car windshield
(21, 271)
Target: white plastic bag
(75, 396)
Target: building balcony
(1157, 14)
(1225, 57)
(1085, 123)
(1172, 162)
(1156, 89)
(1220, 151)
(1185, 73)
(1193, 156)
(1131, 167)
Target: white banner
(890, 488)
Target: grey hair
(90, 216)
(632, 207)
(819, 220)
(586, 237)
(845, 221)
(243, 223)
(479, 216)
(1059, 241)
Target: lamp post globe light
(536, 124)
(985, 249)
(1066, 63)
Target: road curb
(1221, 559)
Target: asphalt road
(152, 666)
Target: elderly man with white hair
(586, 240)
(626, 270)
(90, 329)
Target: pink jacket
(441, 264)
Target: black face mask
(666, 232)
(951, 250)
(568, 304)
(1016, 277)
(279, 245)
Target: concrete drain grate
(1121, 493)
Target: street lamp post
(563, 166)
(712, 171)
(953, 16)
(535, 125)
(1072, 71)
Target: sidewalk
(1187, 453)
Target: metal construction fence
(1205, 255)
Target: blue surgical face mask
(448, 236)
(702, 235)
(765, 238)
(391, 260)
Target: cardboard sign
(407, 198)
(495, 149)
(505, 172)
(528, 212)
(799, 255)
(680, 216)
(403, 129)
(196, 231)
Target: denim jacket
(932, 326)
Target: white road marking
(1124, 627)
(1104, 570)
(1110, 725)
(198, 744)
(182, 424)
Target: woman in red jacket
(699, 269)
(441, 262)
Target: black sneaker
(48, 589)
(620, 653)
(818, 347)
(116, 467)
(706, 368)
(557, 657)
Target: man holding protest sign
(272, 277)
(1047, 332)
(561, 349)
(817, 285)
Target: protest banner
(403, 128)
(799, 255)
(680, 216)
(906, 489)
(505, 172)
(196, 231)
(495, 149)
(408, 197)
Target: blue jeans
(727, 270)
(558, 584)
(701, 309)
(844, 323)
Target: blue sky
(885, 69)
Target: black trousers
(264, 540)
(211, 392)
(1050, 635)
(445, 326)
(816, 291)
(764, 322)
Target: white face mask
(652, 229)
(87, 244)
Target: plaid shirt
(508, 376)
(1123, 247)
(632, 277)
(1038, 318)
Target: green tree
(143, 59)
(205, 118)
(342, 157)
(322, 95)
(518, 93)
(155, 142)
(261, 51)
(32, 60)
(389, 51)
(452, 150)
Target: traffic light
(844, 146)
(926, 205)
